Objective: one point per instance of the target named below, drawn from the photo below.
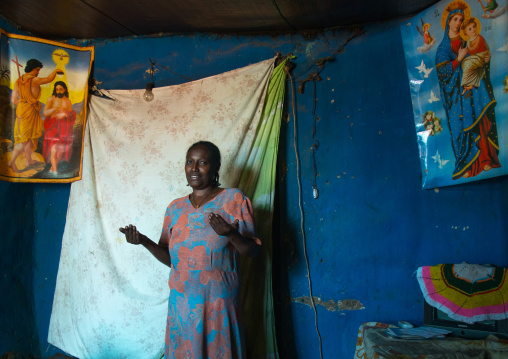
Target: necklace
(203, 200)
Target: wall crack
(331, 305)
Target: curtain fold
(111, 297)
(258, 183)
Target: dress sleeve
(166, 228)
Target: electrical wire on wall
(315, 145)
(175, 73)
(302, 222)
(314, 77)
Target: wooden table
(374, 343)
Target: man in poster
(58, 127)
(28, 126)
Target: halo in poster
(44, 93)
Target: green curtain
(258, 183)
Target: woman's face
(455, 22)
(200, 168)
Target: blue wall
(18, 332)
(372, 225)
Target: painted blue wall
(50, 203)
(18, 333)
(372, 225)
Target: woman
(471, 117)
(203, 234)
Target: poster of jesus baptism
(43, 102)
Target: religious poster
(43, 102)
(457, 63)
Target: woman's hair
(214, 151)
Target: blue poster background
(448, 111)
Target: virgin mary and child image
(463, 70)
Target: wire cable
(315, 145)
(109, 17)
(304, 241)
(175, 73)
(274, 3)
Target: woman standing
(203, 234)
(471, 116)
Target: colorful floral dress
(204, 319)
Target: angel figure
(424, 31)
(437, 126)
(432, 123)
(491, 6)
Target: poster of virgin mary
(43, 95)
(457, 64)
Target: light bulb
(148, 95)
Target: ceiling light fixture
(148, 95)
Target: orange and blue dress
(204, 317)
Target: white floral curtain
(111, 297)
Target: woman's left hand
(221, 227)
(245, 246)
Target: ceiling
(104, 19)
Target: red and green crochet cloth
(466, 292)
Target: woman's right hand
(132, 235)
(462, 53)
(159, 251)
